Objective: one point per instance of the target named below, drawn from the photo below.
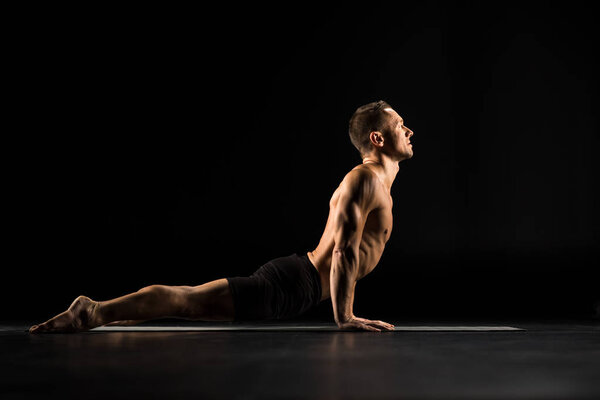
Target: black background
(177, 146)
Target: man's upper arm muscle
(355, 201)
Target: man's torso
(376, 232)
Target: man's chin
(406, 156)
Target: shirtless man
(358, 226)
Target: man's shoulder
(360, 181)
(361, 175)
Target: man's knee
(158, 290)
(173, 295)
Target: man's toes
(38, 328)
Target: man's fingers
(383, 324)
(369, 321)
(389, 328)
(362, 326)
(370, 328)
(369, 325)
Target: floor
(307, 360)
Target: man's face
(399, 136)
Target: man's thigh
(211, 301)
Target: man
(357, 229)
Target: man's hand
(356, 323)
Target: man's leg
(211, 301)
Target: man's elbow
(345, 254)
(339, 251)
(342, 251)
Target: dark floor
(547, 360)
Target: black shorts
(283, 288)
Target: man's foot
(78, 317)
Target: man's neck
(387, 168)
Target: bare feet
(78, 317)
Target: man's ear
(376, 138)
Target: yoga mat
(191, 328)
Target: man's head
(376, 127)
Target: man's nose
(409, 133)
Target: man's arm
(355, 202)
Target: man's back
(361, 192)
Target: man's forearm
(344, 271)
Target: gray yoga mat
(283, 327)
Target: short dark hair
(366, 119)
